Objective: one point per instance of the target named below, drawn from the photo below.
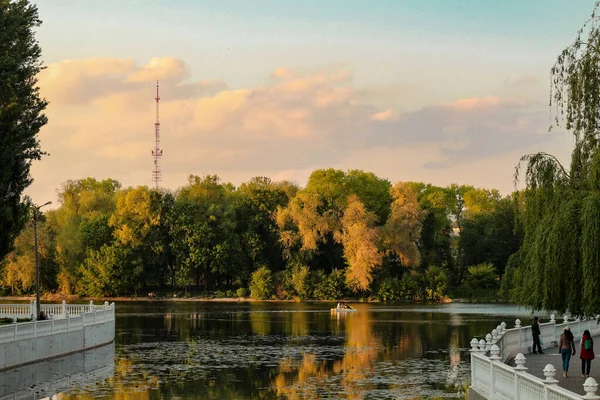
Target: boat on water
(343, 310)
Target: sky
(439, 91)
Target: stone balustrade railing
(492, 378)
(62, 310)
(68, 323)
(69, 331)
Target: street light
(36, 210)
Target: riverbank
(71, 299)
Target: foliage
(491, 237)
(403, 227)
(21, 113)
(301, 282)
(337, 237)
(19, 267)
(436, 281)
(102, 272)
(482, 276)
(261, 285)
(329, 287)
(557, 266)
(360, 238)
(241, 292)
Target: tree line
(346, 233)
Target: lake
(239, 350)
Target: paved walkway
(536, 363)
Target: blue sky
(417, 59)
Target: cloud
(102, 113)
(387, 115)
(79, 82)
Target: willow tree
(558, 266)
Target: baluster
(488, 341)
(550, 373)
(520, 360)
(495, 353)
(591, 387)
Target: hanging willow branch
(575, 87)
(543, 170)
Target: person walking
(535, 332)
(586, 353)
(566, 348)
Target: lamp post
(36, 210)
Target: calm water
(199, 350)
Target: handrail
(64, 323)
(61, 310)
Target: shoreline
(68, 299)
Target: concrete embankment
(30, 342)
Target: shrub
(481, 276)
(282, 282)
(436, 281)
(394, 289)
(301, 282)
(242, 292)
(261, 284)
(407, 287)
(389, 290)
(330, 287)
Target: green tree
(261, 285)
(81, 224)
(257, 203)
(206, 247)
(21, 113)
(491, 237)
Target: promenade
(574, 382)
(502, 365)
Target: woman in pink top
(566, 348)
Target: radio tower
(157, 152)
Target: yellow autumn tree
(360, 237)
(133, 217)
(403, 226)
(19, 265)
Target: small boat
(343, 310)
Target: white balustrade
(491, 378)
(550, 373)
(591, 387)
(66, 318)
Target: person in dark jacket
(586, 353)
(535, 332)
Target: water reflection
(293, 350)
(58, 376)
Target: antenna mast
(157, 152)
